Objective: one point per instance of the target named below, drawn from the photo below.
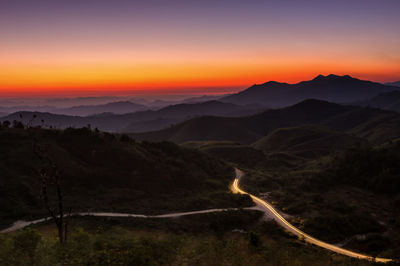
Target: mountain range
(133, 122)
(120, 107)
(333, 88)
(375, 125)
(133, 117)
(91, 108)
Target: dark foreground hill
(133, 122)
(374, 125)
(340, 89)
(104, 172)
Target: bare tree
(51, 179)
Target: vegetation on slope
(232, 152)
(231, 238)
(374, 168)
(105, 172)
(307, 141)
(349, 198)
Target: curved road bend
(284, 223)
(22, 224)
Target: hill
(306, 141)
(339, 89)
(105, 172)
(133, 122)
(387, 100)
(350, 197)
(17, 108)
(374, 125)
(176, 113)
(396, 83)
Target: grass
(232, 238)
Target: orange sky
(59, 78)
(78, 49)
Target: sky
(117, 47)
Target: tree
(31, 120)
(6, 123)
(51, 178)
(18, 124)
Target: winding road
(267, 208)
(22, 224)
(261, 205)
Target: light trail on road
(283, 222)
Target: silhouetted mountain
(153, 120)
(373, 124)
(203, 98)
(156, 104)
(133, 122)
(386, 100)
(123, 107)
(340, 89)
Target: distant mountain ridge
(395, 83)
(120, 107)
(374, 125)
(133, 122)
(115, 107)
(333, 88)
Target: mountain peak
(271, 82)
(319, 77)
(331, 87)
(331, 77)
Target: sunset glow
(117, 47)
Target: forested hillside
(105, 172)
